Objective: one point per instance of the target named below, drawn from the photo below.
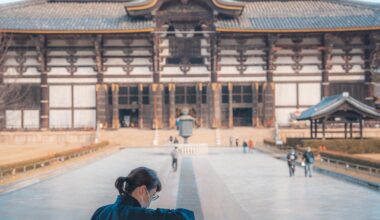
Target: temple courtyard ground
(225, 184)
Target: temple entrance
(242, 117)
(129, 118)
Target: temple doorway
(242, 117)
(129, 118)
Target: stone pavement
(225, 184)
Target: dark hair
(136, 178)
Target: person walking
(136, 192)
(292, 158)
(245, 146)
(251, 145)
(174, 155)
(175, 140)
(308, 159)
(236, 141)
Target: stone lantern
(186, 124)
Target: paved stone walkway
(226, 184)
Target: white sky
(374, 1)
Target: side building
(122, 63)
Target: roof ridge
(20, 4)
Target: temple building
(137, 63)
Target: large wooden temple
(138, 63)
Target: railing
(191, 149)
(351, 166)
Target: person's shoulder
(167, 214)
(99, 211)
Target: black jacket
(128, 208)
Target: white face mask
(149, 198)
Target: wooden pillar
(324, 130)
(311, 128)
(369, 84)
(326, 64)
(101, 104)
(2, 105)
(157, 106)
(156, 58)
(115, 106)
(345, 130)
(269, 110)
(172, 116)
(98, 44)
(254, 105)
(214, 57)
(216, 105)
(199, 91)
(230, 108)
(351, 130)
(141, 105)
(316, 129)
(361, 128)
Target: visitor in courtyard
(236, 141)
(251, 145)
(175, 140)
(308, 159)
(136, 192)
(292, 158)
(174, 155)
(231, 141)
(171, 140)
(245, 146)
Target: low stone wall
(305, 133)
(50, 137)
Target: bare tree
(11, 93)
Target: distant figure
(251, 145)
(231, 141)
(292, 158)
(308, 159)
(245, 146)
(136, 192)
(237, 142)
(171, 140)
(175, 140)
(174, 155)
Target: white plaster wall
(309, 93)
(58, 71)
(228, 60)
(60, 119)
(255, 70)
(114, 71)
(286, 94)
(228, 70)
(31, 119)
(60, 96)
(84, 96)
(310, 69)
(283, 115)
(85, 71)
(284, 69)
(13, 119)
(141, 71)
(85, 118)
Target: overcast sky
(375, 1)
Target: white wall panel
(283, 69)
(285, 52)
(286, 94)
(141, 61)
(255, 52)
(85, 118)
(129, 80)
(58, 71)
(60, 96)
(13, 119)
(198, 70)
(337, 69)
(73, 80)
(228, 70)
(141, 71)
(255, 60)
(57, 62)
(356, 69)
(283, 115)
(60, 119)
(337, 59)
(310, 60)
(255, 70)
(31, 71)
(309, 93)
(228, 52)
(84, 96)
(114, 71)
(283, 60)
(31, 119)
(114, 53)
(310, 69)
(357, 59)
(85, 61)
(114, 61)
(311, 40)
(171, 70)
(310, 51)
(228, 60)
(10, 61)
(242, 79)
(141, 53)
(85, 71)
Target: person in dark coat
(137, 191)
(308, 159)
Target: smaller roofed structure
(338, 109)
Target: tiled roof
(70, 16)
(330, 104)
(303, 14)
(258, 15)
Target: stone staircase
(212, 137)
